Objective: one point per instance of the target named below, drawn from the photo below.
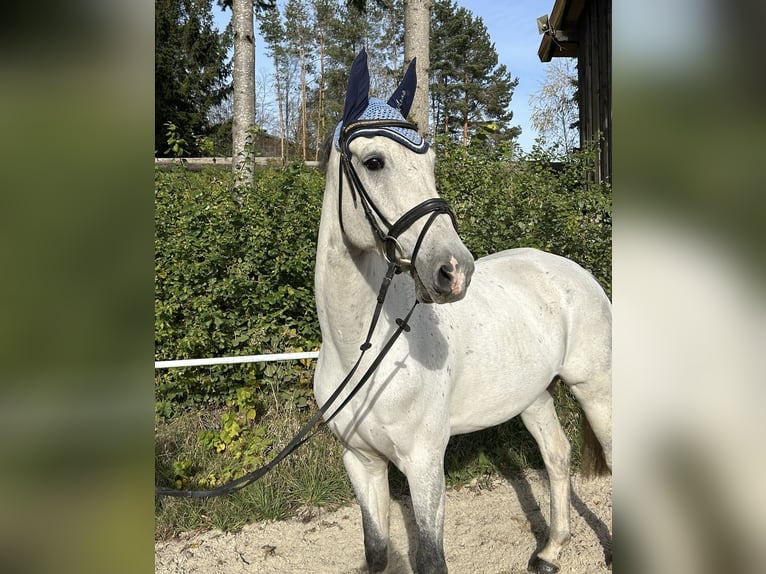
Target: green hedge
(238, 279)
(233, 279)
(531, 202)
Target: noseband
(388, 233)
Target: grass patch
(312, 476)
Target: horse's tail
(592, 460)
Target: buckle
(395, 254)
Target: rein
(396, 264)
(303, 435)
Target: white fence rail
(235, 360)
(198, 163)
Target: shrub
(233, 280)
(501, 203)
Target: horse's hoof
(539, 566)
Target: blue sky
(512, 26)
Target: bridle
(386, 232)
(396, 264)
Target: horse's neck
(346, 285)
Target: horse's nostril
(444, 279)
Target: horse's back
(526, 312)
(541, 274)
(562, 290)
(521, 257)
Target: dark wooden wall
(595, 80)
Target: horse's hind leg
(587, 371)
(541, 420)
(369, 475)
(594, 394)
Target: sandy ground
(493, 529)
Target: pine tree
(273, 33)
(299, 35)
(191, 71)
(384, 39)
(313, 42)
(470, 91)
(343, 29)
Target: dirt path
(490, 530)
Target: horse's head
(387, 198)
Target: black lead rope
(303, 435)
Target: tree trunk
(243, 75)
(320, 105)
(417, 21)
(465, 113)
(281, 115)
(304, 118)
(446, 112)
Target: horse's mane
(324, 153)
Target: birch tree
(555, 113)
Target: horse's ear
(402, 97)
(358, 90)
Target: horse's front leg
(425, 474)
(369, 476)
(543, 424)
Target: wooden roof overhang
(561, 38)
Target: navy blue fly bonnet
(359, 107)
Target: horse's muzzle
(452, 279)
(447, 283)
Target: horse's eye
(374, 164)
